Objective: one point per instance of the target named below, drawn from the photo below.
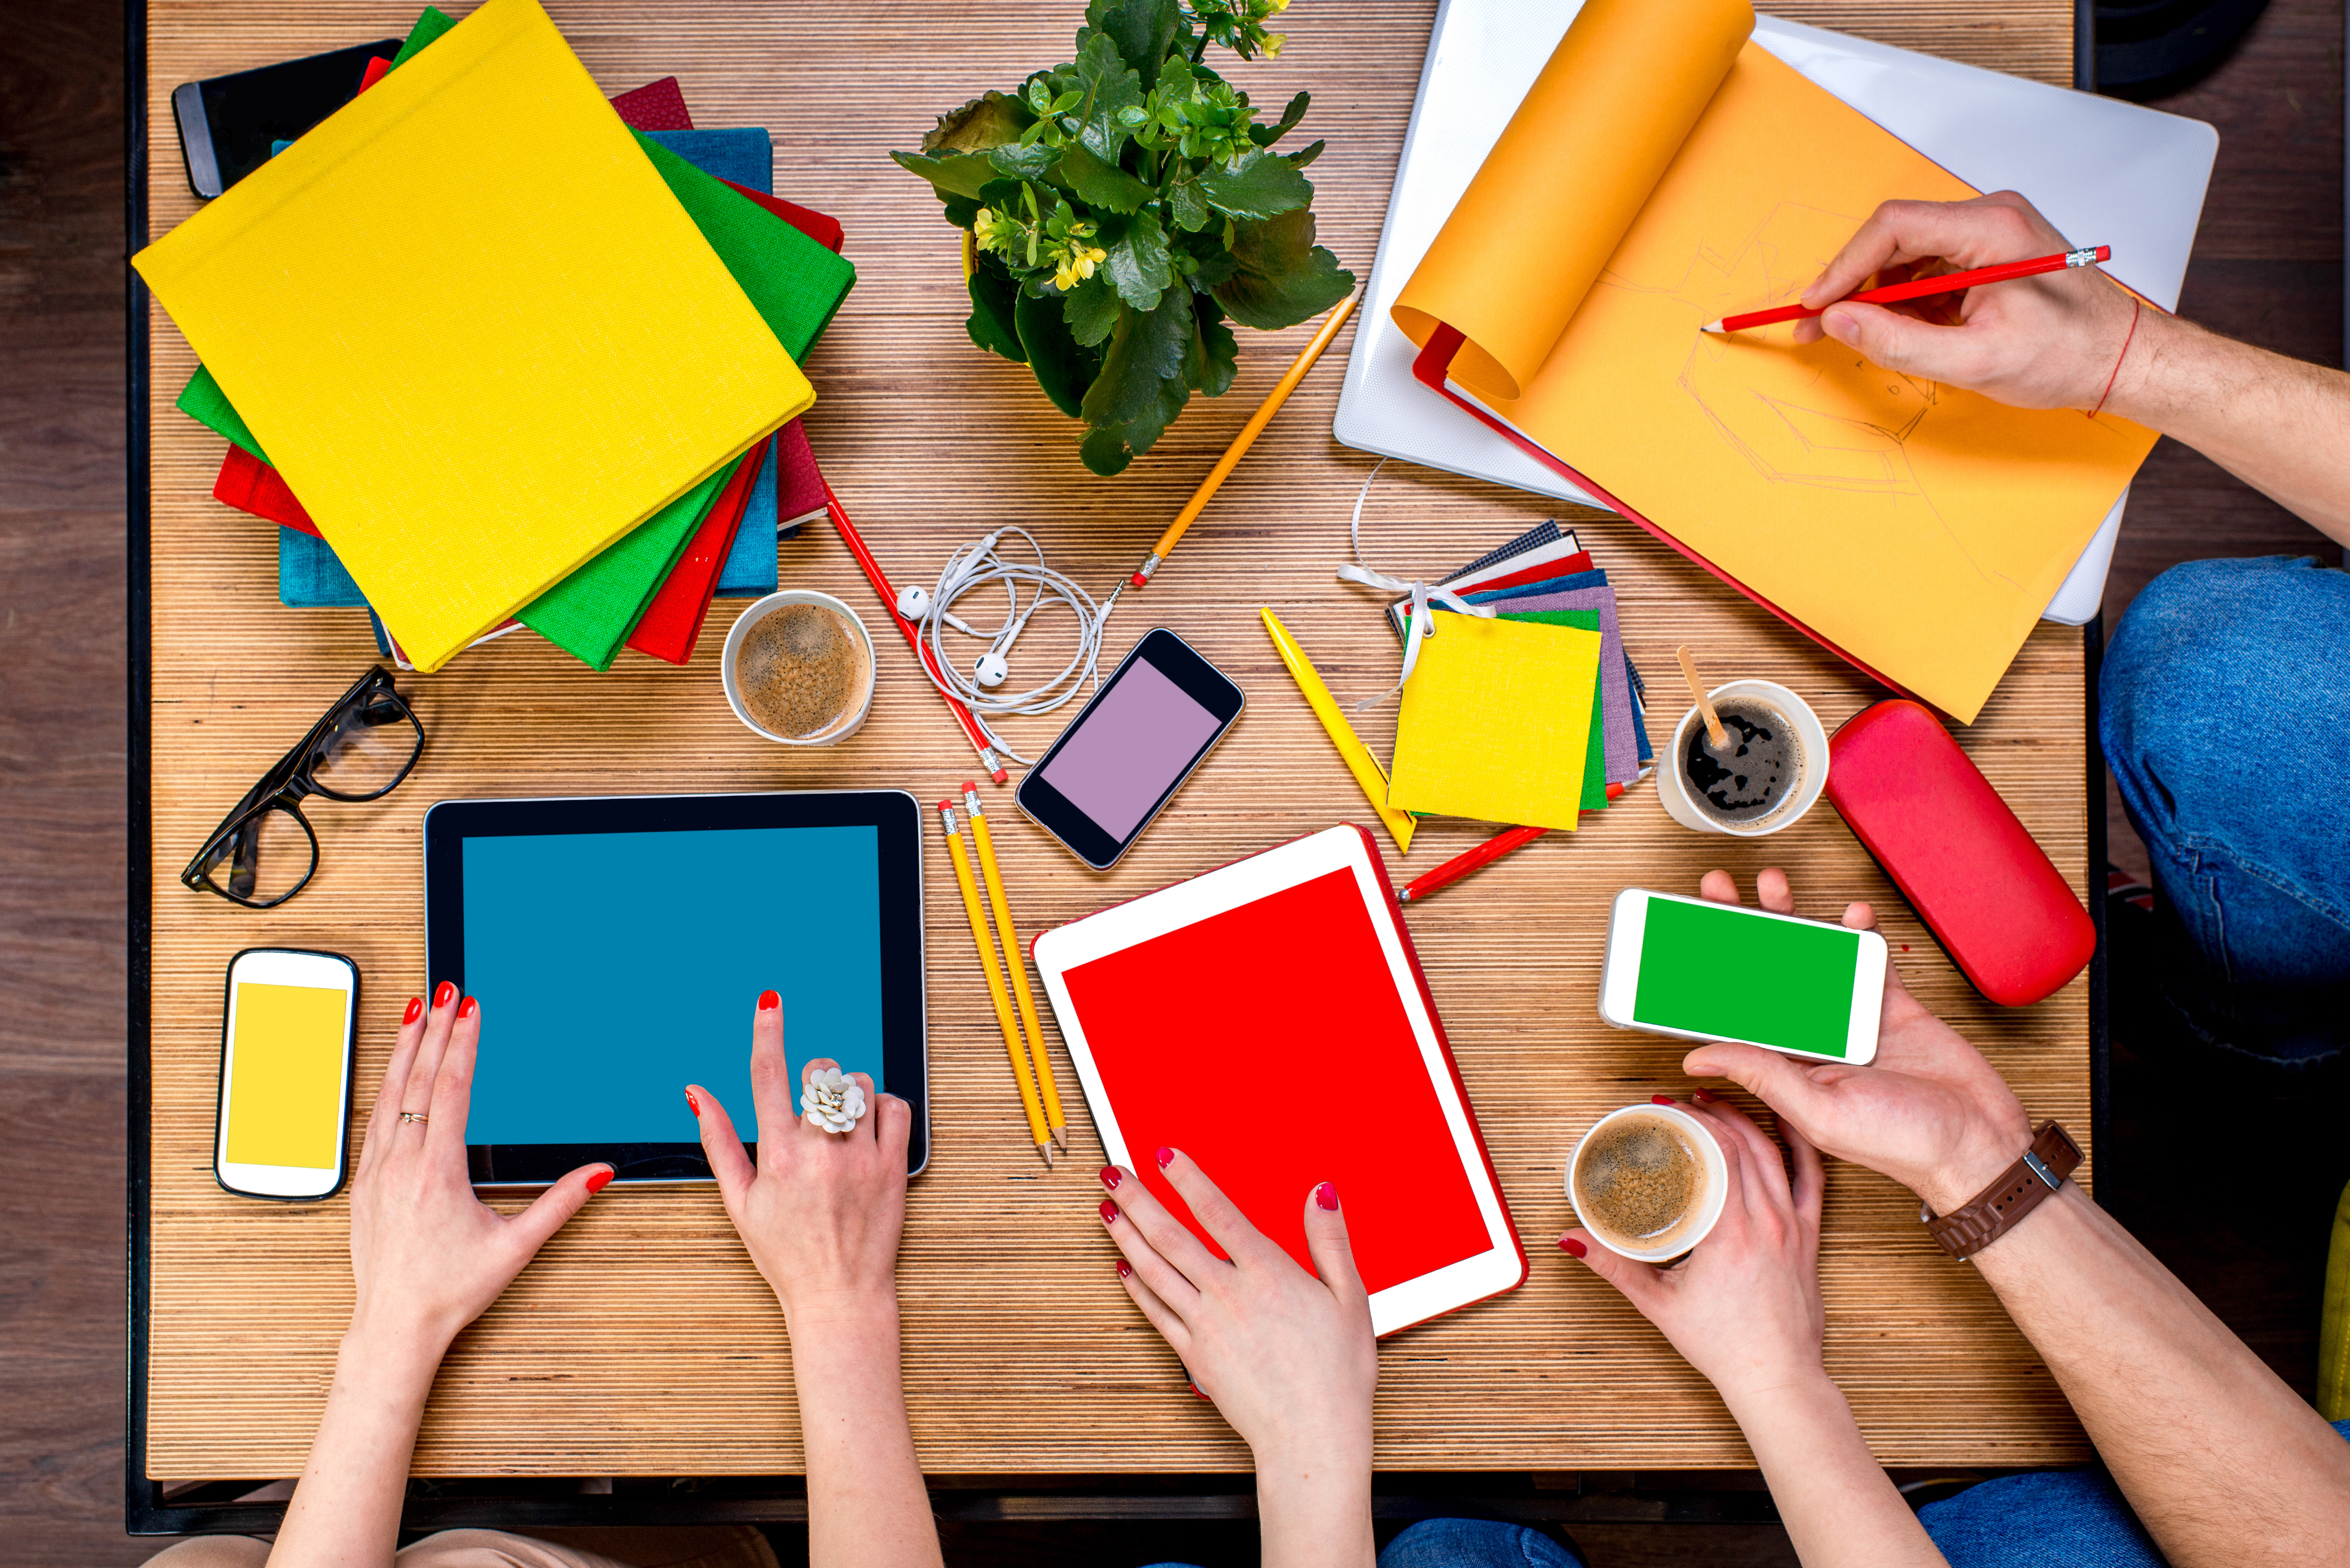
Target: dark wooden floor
(2268, 268)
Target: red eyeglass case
(1983, 885)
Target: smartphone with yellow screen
(285, 1073)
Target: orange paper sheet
(1920, 528)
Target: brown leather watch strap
(2053, 1157)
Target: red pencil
(874, 574)
(1921, 287)
(1468, 860)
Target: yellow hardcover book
(474, 328)
(1496, 722)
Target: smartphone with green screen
(1703, 970)
(285, 1073)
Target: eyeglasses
(359, 751)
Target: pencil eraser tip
(946, 806)
(969, 787)
(1000, 776)
(1138, 580)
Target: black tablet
(619, 946)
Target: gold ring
(419, 1118)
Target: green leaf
(1264, 185)
(1266, 135)
(1104, 452)
(950, 175)
(1138, 266)
(1141, 389)
(1064, 368)
(1102, 185)
(1109, 87)
(1030, 162)
(1143, 30)
(991, 324)
(1188, 207)
(983, 123)
(1091, 310)
(1281, 276)
(1213, 357)
(1305, 155)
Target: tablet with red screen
(1269, 1018)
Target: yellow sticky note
(1496, 722)
(474, 328)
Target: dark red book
(672, 624)
(656, 106)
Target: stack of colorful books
(493, 351)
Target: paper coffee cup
(1714, 1170)
(852, 714)
(1672, 785)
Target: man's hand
(2045, 342)
(1929, 1112)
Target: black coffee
(1750, 776)
(1638, 1180)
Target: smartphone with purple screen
(1123, 758)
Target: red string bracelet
(2136, 307)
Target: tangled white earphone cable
(979, 687)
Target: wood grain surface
(642, 1342)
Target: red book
(672, 622)
(656, 106)
(825, 231)
(251, 486)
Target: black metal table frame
(1729, 1497)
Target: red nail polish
(1166, 1157)
(1326, 1196)
(1125, 1269)
(692, 1104)
(1660, 1099)
(1571, 1247)
(467, 1008)
(443, 994)
(1109, 1212)
(769, 1002)
(596, 1182)
(415, 1010)
(1708, 1095)
(1111, 1176)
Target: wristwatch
(2041, 1170)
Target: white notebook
(2104, 172)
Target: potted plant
(1118, 208)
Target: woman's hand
(429, 1256)
(1929, 1112)
(821, 1212)
(1287, 1358)
(2048, 342)
(1744, 1309)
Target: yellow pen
(1015, 961)
(996, 984)
(1359, 761)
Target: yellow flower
(1076, 265)
(1273, 42)
(988, 229)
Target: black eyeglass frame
(292, 778)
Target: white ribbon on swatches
(1422, 623)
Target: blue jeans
(2049, 1519)
(1467, 1543)
(2224, 708)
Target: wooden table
(642, 1343)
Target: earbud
(914, 601)
(991, 669)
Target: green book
(795, 285)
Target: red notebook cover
(1303, 972)
(825, 231)
(656, 106)
(799, 486)
(251, 486)
(672, 622)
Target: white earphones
(978, 566)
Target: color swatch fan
(585, 360)
(1269, 1018)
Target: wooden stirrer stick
(1713, 730)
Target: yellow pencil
(1365, 766)
(1241, 442)
(996, 984)
(1016, 962)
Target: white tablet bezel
(1619, 979)
(1500, 1266)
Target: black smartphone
(1124, 756)
(228, 124)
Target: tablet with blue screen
(619, 946)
